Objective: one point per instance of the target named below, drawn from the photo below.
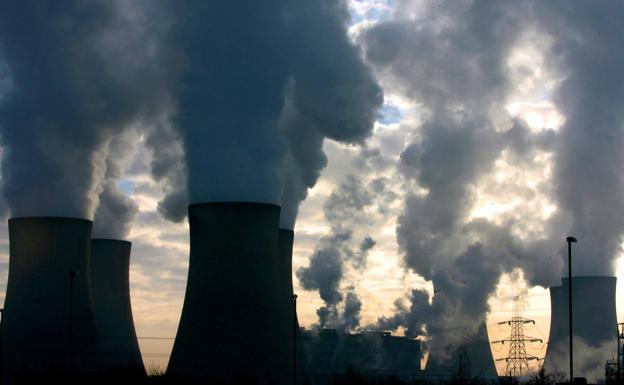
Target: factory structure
(68, 309)
(373, 354)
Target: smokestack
(48, 322)
(594, 324)
(233, 322)
(110, 264)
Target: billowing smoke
(168, 168)
(287, 77)
(116, 209)
(588, 178)
(331, 94)
(80, 72)
(336, 252)
(453, 59)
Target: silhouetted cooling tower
(558, 323)
(48, 322)
(232, 322)
(286, 242)
(480, 355)
(110, 264)
(594, 325)
(476, 356)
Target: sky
(441, 151)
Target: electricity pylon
(517, 359)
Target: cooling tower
(48, 322)
(475, 355)
(110, 264)
(232, 324)
(594, 325)
(285, 249)
(558, 325)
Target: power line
(517, 359)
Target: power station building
(110, 264)
(371, 354)
(235, 320)
(594, 325)
(48, 322)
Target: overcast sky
(471, 137)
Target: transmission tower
(517, 359)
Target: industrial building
(48, 322)
(372, 354)
(234, 320)
(594, 324)
(110, 264)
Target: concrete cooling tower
(48, 322)
(110, 264)
(558, 325)
(234, 322)
(594, 325)
(474, 354)
(285, 249)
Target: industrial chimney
(594, 324)
(110, 264)
(233, 322)
(48, 322)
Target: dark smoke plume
(452, 58)
(589, 178)
(331, 94)
(328, 264)
(116, 209)
(80, 72)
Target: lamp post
(294, 363)
(570, 241)
(72, 276)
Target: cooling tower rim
(233, 204)
(119, 241)
(50, 219)
(589, 277)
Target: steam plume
(80, 72)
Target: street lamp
(570, 241)
(72, 276)
(295, 330)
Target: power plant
(594, 323)
(234, 319)
(68, 309)
(372, 354)
(48, 322)
(110, 264)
